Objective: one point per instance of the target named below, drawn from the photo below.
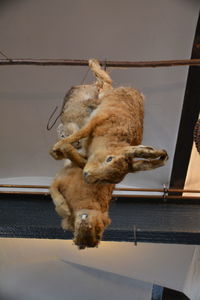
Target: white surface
(116, 30)
(41, 265)
(43, 270)
(53, 279)
(192, 286)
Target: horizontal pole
(156, 197)
(157, 190)
(116, 189)
(26, 186)
(114, 196)
(24, 193)
(108, 63)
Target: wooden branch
(108, 63)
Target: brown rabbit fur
(114, 135)
(83, 207)
(78, 104)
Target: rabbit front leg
(60, 203)
(63, 148)
(68, 151)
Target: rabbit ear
(155, 158)
(145, 165)
(106, 220)
(141, 151)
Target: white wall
(115, 30)
(56, 269)
(44, 270)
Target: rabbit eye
(109, 158)
(84, 216)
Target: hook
(165, 192)
(135, 235)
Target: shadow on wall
(4, 4)
(108, 276)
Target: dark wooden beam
(169, 294)
(157, 292)
(190, 113)
(26, 216)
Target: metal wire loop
(49, 127)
